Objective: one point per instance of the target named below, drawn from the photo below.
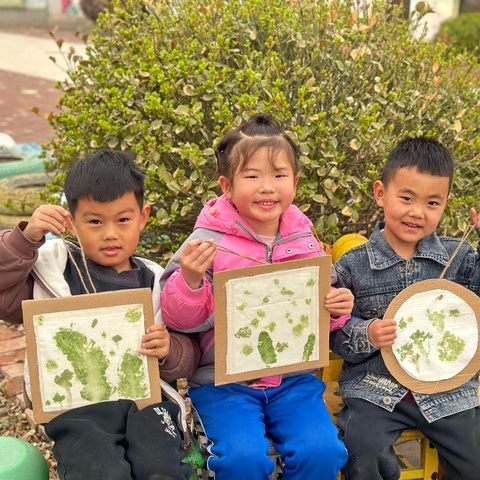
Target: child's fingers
(197, 251)
(46, 218)
(474, 217)
(154, 332)
(155, 342)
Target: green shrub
(167, 81)
(463, 32)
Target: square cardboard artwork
(271, 319)
(83, 349)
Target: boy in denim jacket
(402, 250)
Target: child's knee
(368, 466)
(246, 461)
(315, 456)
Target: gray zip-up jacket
(376, 274)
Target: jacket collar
(220, 214)
(381, 255)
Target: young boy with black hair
(108, 440)
(402, 250)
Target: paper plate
(437, 347)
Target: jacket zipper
(269, 253)
(48, 290)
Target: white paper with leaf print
(437, 335)
(90, 355)
(273, 320)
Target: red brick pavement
(20, 93)
(12, 355)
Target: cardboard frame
(323, 264)
(32, 308)
(394, 367)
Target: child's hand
(195, 259)
(156, 342)
(339, 302)
(474, 217)
(45, 219)
(382, 333)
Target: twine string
(465, 235)
(84, 260)
(227, 250)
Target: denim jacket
(376, 274)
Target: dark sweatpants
(115, 441)
(370, 432)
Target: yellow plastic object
(20, 460)
(345, 243)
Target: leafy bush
(463, 32)
(168, 80)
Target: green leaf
(181, 110)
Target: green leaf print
(403, 323)
(408, 352)
(64, 380)
(134, 315)
(437, 319)
(132, 377)
(243, 332)
(285, 291)
(88, 361)
(308, 348)
(266, 349)
(450, 347)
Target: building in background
(33, 13)
(469, 6)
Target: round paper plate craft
(437, 344)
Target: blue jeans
(236, 420)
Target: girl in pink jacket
(259, 171)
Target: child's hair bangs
(246, 148)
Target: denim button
(387, 400)
(361, 344)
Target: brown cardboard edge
(394, 367)
(87, 301)
(221, 327)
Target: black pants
(116, 441)
(370, 432)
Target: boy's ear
(379, 192)
(225, 185)
(144, 214)
(70, 226)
